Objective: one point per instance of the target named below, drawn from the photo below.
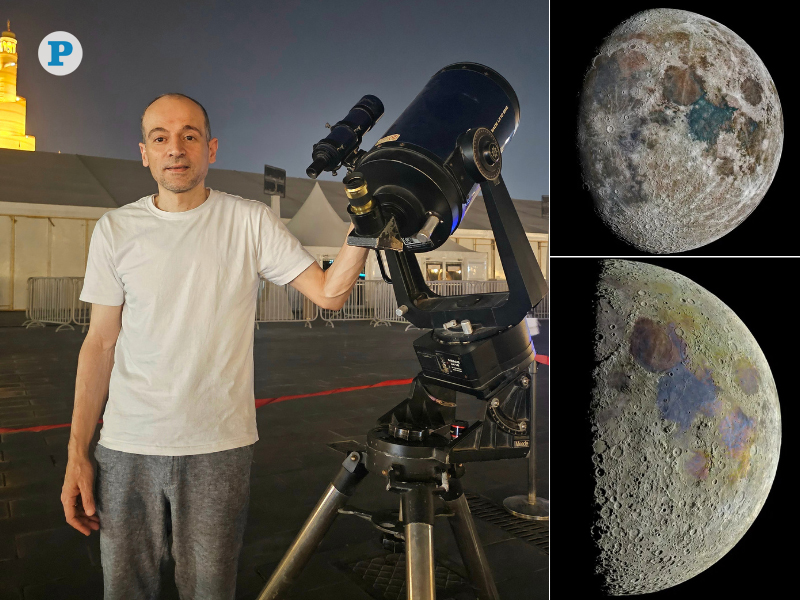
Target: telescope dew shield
(416, 169)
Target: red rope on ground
(263, 401)
(540, 358)
(35, 428)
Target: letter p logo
(57, 50)
(60, 53)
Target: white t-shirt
(182, 381)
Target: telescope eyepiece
(355, 187)
(363, 210)
(317, 167)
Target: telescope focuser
(370, 229)
(363, 209)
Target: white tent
(316, 224)
(321, 231)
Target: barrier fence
(56, 300)
(50, 300)
(283, 303)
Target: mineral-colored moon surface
(686, 428)
(680, 130)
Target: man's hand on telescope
(77, 495)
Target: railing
(57, 300)
(369, 301)
(457, 288)
(50, 300)
(81, 311)
(542, 310)
(283, 303)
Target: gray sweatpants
(202, 499)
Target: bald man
(173, 280)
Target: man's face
(176, 149)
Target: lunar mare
(680, 130)
(686, 428)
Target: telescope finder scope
(344, 139)
(412, 189)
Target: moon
(680, 131)
(686, 428)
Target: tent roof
(316, 223)
(77, 180)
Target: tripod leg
(469, 545)
(315, 527)
(417, 508)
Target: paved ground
(43, 558)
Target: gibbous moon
(680, 130)
(686, 428)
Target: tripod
(419, 470)
(477, 344)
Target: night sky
(270, 74)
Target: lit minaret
(12, 107)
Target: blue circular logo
(60, 53)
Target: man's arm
(330, 289)
(91, 388)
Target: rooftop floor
(42, 557)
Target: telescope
(408, 194)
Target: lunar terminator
(686, 428)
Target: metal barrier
(283, 303)
(28, 306)
(368, 301)
(81, 311)
(50, 300)
(542, 310)
(457, 288)
(57, 300)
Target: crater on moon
(680, 130)
(686, 428)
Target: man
(173, 282)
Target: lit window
(453, 272)
(433, 271)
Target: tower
(12, 107)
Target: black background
(762, 563)
(576, 34)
